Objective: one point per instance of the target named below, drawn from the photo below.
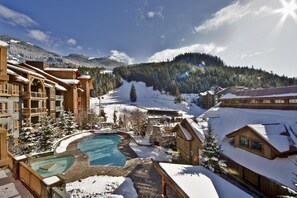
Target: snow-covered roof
(70, 81)
(273, 134)
(44, 73)
(84, 77)
(225, 120)
(4, 44)
(22, 79)
(61, 69)
(196, 128)
(59, 87)
(197, 180)
(186, 132)
(16, 68)
(48, 85)
(11, 72)
(263, 93)
(211, 92)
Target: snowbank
(64, 143)
(102, 186)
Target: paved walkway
(11, 188)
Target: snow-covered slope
(119, 99)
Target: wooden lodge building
(283, 98)
(189, 139)
(259, 146)
(32, 89)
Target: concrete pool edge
(81, 169)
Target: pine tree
(178, 98)
(138, 122)
(70, 123)
(45, 134)
(26, 139)
(211, 157)
(115, 117)
(133, 96)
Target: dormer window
(256, 145)
(244, 141)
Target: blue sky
(244, 32)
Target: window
(244, 141)
(279, 101)
(256, 145)
(3, 126)
(16, 107)
(253, 101)
(293, 101)
(266, 101)
(3, 107)
(16, 125)
(15, 89)
(3, 88)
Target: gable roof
(196, 128)
(274, 134)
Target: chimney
(38, 64)
(3, 63)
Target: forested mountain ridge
(167, 76)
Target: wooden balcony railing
(59, 97)
(34, 94)
(34, 110)
(59, 108)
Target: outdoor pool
(103, 150)
(52, 166)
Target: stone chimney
(3, 64)
(38, 64)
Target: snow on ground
(145, 141)
(149, 152)
(102, 186)
(65, 142)
(119, 100)
(197, 180)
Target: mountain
(195, 72)
(20, 51)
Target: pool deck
(147, 181)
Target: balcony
(39, 110)
(59, 97)
(34, 95)
(59, 108)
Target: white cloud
(169, 54)
(151, 14)
(242, 56)
(38, 35)
(157, 12)
(15, 18)
(71, 41)
(231, 14)
(121, 57)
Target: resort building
(189, 139)
(77, 96)
(259, 146)
(207, 99)
(284, 98)
(3, 111)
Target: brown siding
(267, 150)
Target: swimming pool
(103, 150)
(53, 165)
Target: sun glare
(288, 9)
